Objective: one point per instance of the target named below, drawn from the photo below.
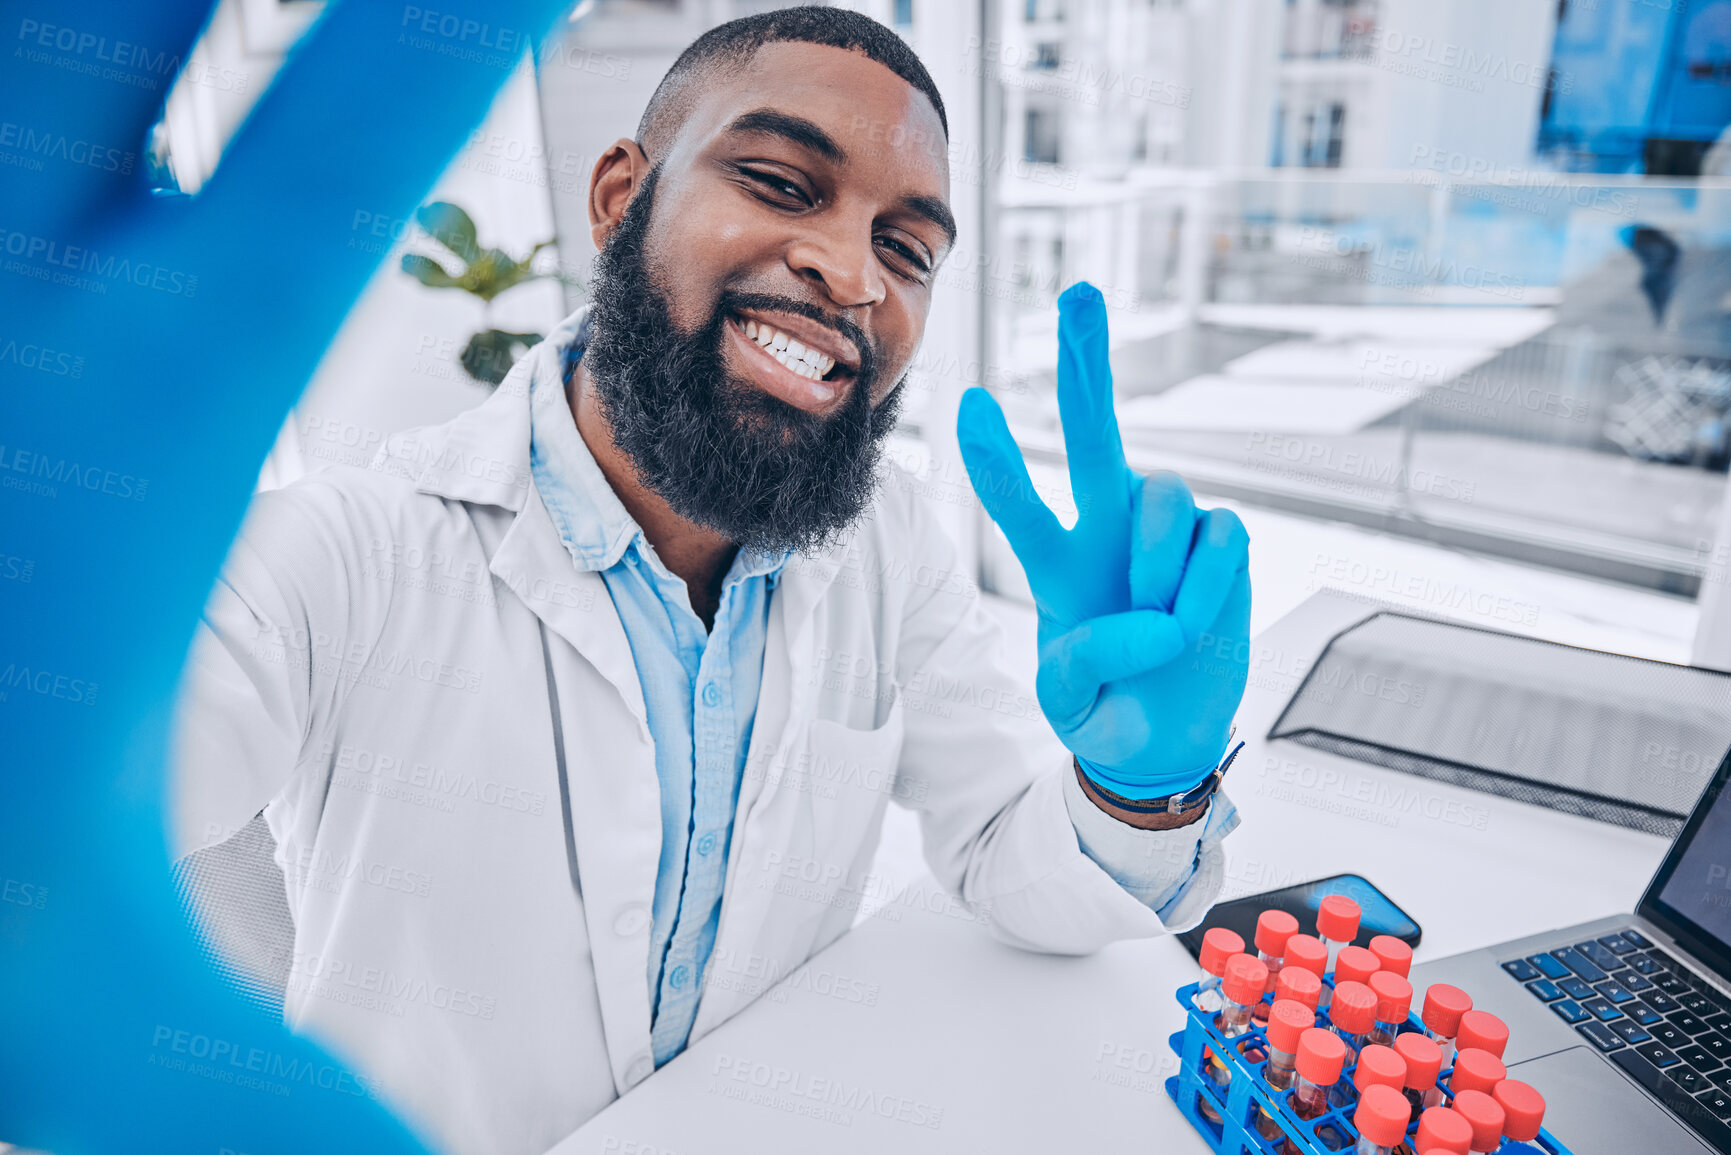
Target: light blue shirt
(700, 693)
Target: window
(1336, 135)
(1324, 135)
(904, 15)
(1040, 145)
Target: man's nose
(844, 261)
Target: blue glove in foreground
(1144, 604)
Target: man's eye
(906, 254)
(781, 187)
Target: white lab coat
(404, 670)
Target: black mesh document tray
(1624, 740)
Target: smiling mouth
(794, 355)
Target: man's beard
(721, 452)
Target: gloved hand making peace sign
(1144, 605)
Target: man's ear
(612, 184)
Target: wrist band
(1181, 803)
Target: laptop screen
(1690, 897)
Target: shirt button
(677, 976)
(706, 844)
(630, 921)
(641, 1068)
(711, 695)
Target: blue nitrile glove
(1144, 605)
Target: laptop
(1624, 1024)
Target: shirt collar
(592, 521)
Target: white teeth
(805, 361)
(803, 368)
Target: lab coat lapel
(614, 802)
(614, 796)
(483, 457)
(575, 604)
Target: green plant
(486, 273)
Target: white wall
(394, 363)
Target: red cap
(1337, 918)
(1393, 996)
(1354, 1007)
(1523, 1108)
(1299, 985)
(1443, 1007)
(1423, 1059)
(1379, 1066)
(1483, 1031)
(1442, 1129)
(1483, 1116)
(1286, 1021)
(1477, 1070)
(1273, 928)
(1321, 1056)
(1218, 945)
(1382, 1115)
(1393, 954)
(1307, 951)
(1245, 978)
(1354, 964)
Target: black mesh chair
(235, 895)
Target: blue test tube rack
(1247, 1096)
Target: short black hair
(734, 43)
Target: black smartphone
(1380, 914)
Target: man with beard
(571, 723)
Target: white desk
(1022, 1052)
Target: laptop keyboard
(1666, 1028)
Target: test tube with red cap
(1218, 945)
(1273, 928)
(1442, 1131)
(1523, 1114)
(1483, 1031)
(1337, 918)
(1240, 990)
(1423, 1065)
(1393, 954)
(1476, 1070)
(1353, 1014)
(1443, 1007)
(1484, 1117)
(1355, 964)
(1381, 1120)
(1321, 1058)
(1298, 984)
(1377, 1066)
(1287, 1021)
(1306, 952)
(1393, 1005)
